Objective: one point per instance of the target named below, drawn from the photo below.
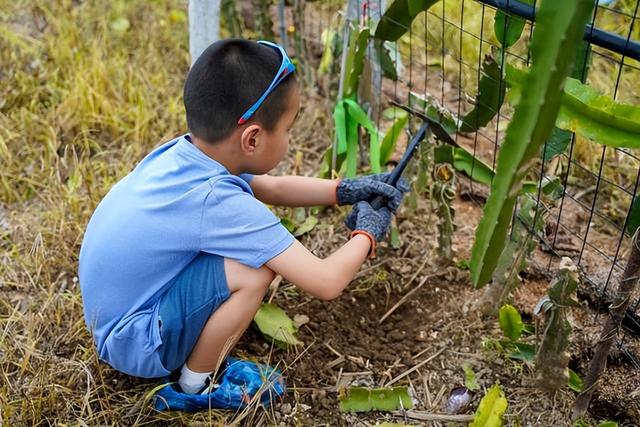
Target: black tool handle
(396, 173)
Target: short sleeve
(246, 177)
(236, 225)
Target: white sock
(191, 382)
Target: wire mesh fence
(441, 56)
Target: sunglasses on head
(286, 68)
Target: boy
(177, 257)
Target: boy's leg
(226, 324)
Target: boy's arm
(322, 278)
(327, 278)
(305, 191)
(294, 190)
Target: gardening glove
(364, 219)
(367, 188)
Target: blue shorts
(192, 297)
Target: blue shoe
(240, 382)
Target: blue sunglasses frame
(286, 68)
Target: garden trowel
(428, 127)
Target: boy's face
(276, 142)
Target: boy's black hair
(225, 81)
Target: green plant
(514, 257)
(274, 324)
(558, 31)
(491, 91)
(442, 195)
(491, 409)
(588, 113)
(349, 116)
(552, 359)
(398, 17)
(508, 28)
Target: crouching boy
(177, 257)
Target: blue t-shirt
(176, 203)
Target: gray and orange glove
(364, 219)
(367, 188)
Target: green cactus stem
(514, 258)
(443, 194)
(552, 359)
(559, 30)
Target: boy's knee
(240, 276)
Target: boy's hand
(350, 191)
(374, 222)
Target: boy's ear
(250, 138)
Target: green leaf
(575, 382)
(510, 322)
(274, 323)
(360, 399)
(470, 380)
(340, 120)
(633, 220)
(508, 28)
(443, 153)
(491, 89)
(391, 138)
(398, 17)
(474, 168)
(288, 224)
(430, 106)
(588, 113)
(354, 63)
(471, 166)
(306, 226)
(557, 143)
(559, 29)
(356, 114)
(389, 57)
(491, 409)
(520, 351)
(598, 117)
(608, 424)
